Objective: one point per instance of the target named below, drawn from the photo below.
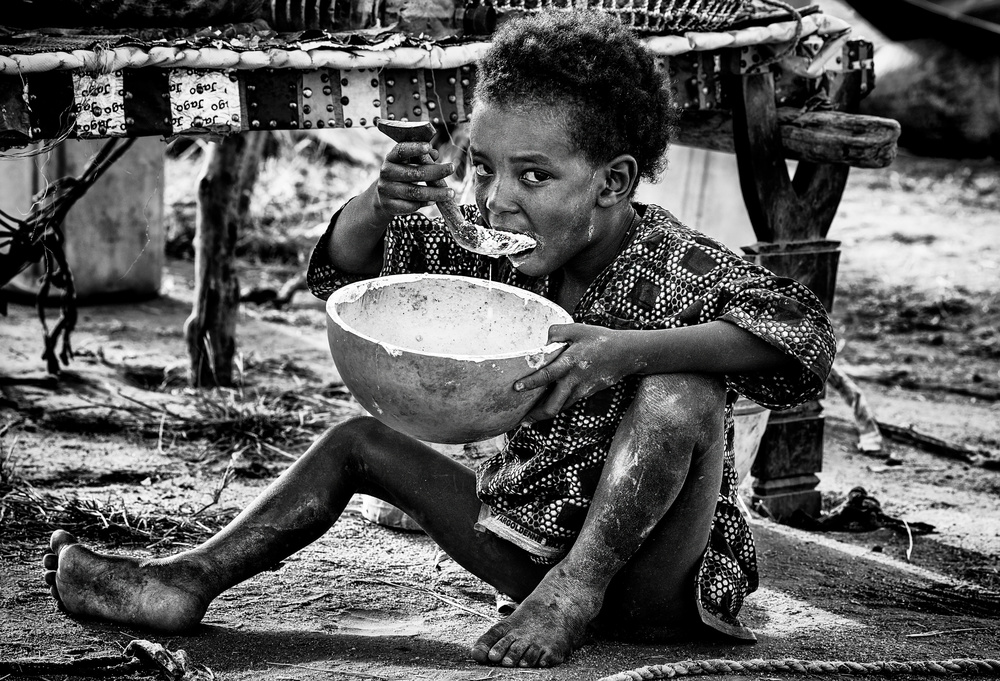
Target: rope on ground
(792, 666)
(139, 656)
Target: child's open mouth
(520, 256)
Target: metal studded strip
(319, 99)
(51, 104)
(147, 102)
(272, 98)
(405, 94)
(15, 121)
(360, 97)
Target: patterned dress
(536, 491)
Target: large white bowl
(436, 356)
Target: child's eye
(481, 170)
(535, 176)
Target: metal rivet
(374, 82)
(327, 90)
(431, 105)
(414, 80)
(324, 78)
(451, 80)
(329, 107)
(377, 104)
(451, 98)
(391, 117)
(361, 121)
(319, 124)
(307, 92)
(307, 124)
(454, 117)
(345, 101)
(306, 108)
(347, 122)
(333, 123)
(294, 124)
(293, 105)
(390, 82)
(389, 99)
(465, 82)
(343, 81)
(129, 120)
(272, 123)
(251, 88)
(417, 111)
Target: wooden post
(791, 217)
(224, 189)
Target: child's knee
(677, 400)
(352, 436)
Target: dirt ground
(120, 451)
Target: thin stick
(279, 451)
(909, 549)
(338, 670)
(159, 435)
(939, 632)
(436, 595)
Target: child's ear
(620, 176)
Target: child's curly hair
(592, 66)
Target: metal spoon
(468, 235)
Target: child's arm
(355, 243)
(597, 358)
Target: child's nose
(500, 197)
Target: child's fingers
(551, 404)
(406, 194)
(562, 332)
(410, 152)
(400, 172)
(550, 373)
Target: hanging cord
(792, 666)
(40, 237)
(793, 43)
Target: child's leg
(360, 455)
(644, 535)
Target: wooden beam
(818, 136)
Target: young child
(613, 508)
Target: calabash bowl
(436, 356)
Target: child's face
(532, 180)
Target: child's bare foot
(544, 629)
(167, 595)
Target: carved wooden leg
(791, 217)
